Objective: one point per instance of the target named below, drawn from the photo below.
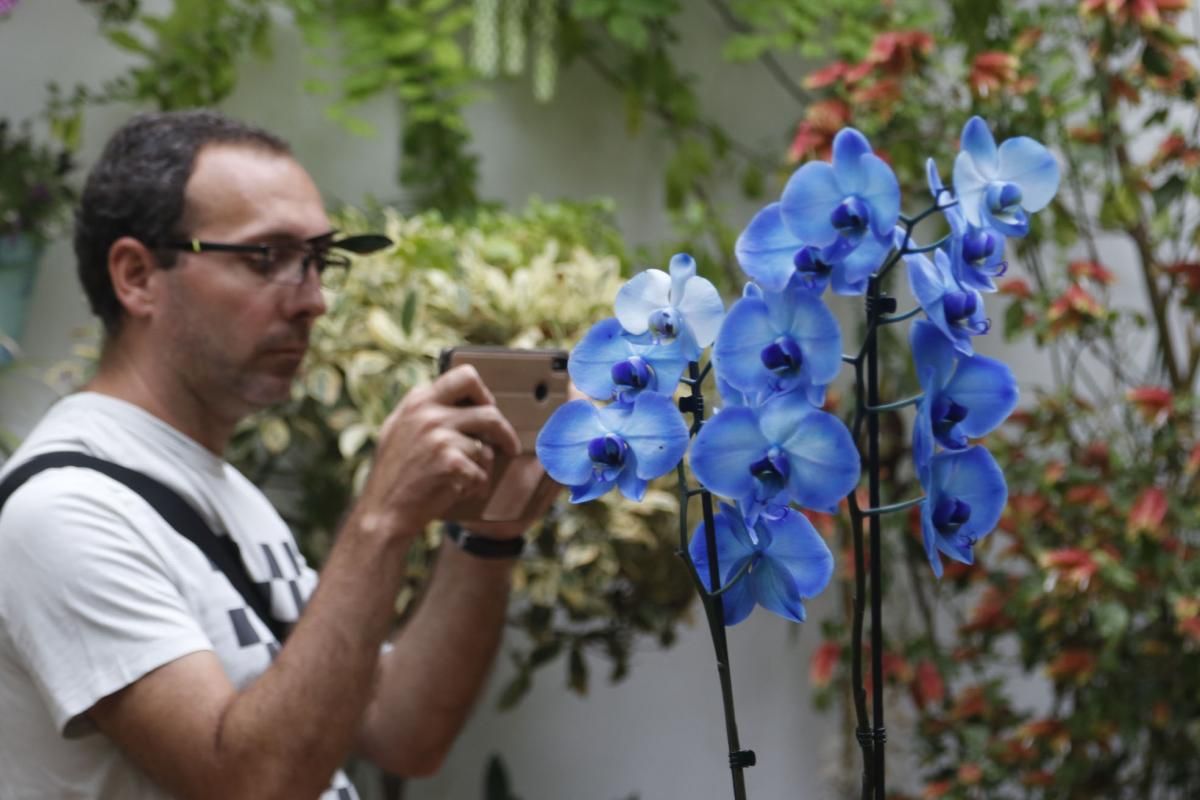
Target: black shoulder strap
(222, 551)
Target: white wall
(660, 733)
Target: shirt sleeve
(90, 604)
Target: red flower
(820, 669)
(935, 790)
(1072, 563)
(971, 703)
(900, 51)
(1091, 269)
(927, 685)
(1187, 273)
(1075, 664)
(992, 71)
(1148, 513)
(970, 774)
(814, 135)
(827, 76)
(1154, 402)
(1016, 287)
(1073, 308)
(988, 614)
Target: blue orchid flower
(955, 309)
(965, 396)
(847, 209)
(776, 259)
(611, 364)
(782, 451)
(783, 563)
(999, 186)
(965, 494)
(593, 449)
(776, 342)
(976, 253)
(681, 305)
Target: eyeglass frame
(316, 253)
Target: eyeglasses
(288, 263)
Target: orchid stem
(714, 608)
(900, 317)
(896, 404)
(876, 511)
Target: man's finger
(488, 424)
(461, 386)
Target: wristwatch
(483, 546)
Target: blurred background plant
(1065, 660)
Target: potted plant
(34, 196)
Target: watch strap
(483, 546)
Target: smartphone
(528, 386)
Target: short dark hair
(137, 189)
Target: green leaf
(1112, 619)
(1169, 192)
(577, 671)
(127, 41)
(409, 311)
(517, 688)
(630, 30)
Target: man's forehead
(256, 190)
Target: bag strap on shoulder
(222, 551)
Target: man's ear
(135, 277)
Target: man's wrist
(487, 547)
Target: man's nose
(307, 299)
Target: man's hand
(435, 448)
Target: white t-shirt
(96, 590)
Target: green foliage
(597, 576)
(1093, 586)
(188, 57)
(412, 51)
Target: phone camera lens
(558, 364)
(540, 392)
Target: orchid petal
(933, 355)
(724, 450)
(796, 545)
(821, 453)
(988, 389)
(736, 355)
(733, 550)
(591, 362)
(881, 191)
(1031, 166)
(702, 310)
(642, 295)
(654, 430)
(969, 184)
(765, 249)
(682, 268)
(974, 476)
(849, 146)
(977, 142)
(808, 199)
(562, 443)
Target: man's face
(234, 338)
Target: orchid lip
(978, 247)
(782, 355)
(850, 216)
(664, 323)
(960, 306)
(1002, 197)
(950, 514)
(771, 471)
(607, 451)
(808, 260)
(634, 372)
(948, 413)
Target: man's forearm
(299, 721)
(430, 680)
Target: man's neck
(156, 390)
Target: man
(129, 666)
